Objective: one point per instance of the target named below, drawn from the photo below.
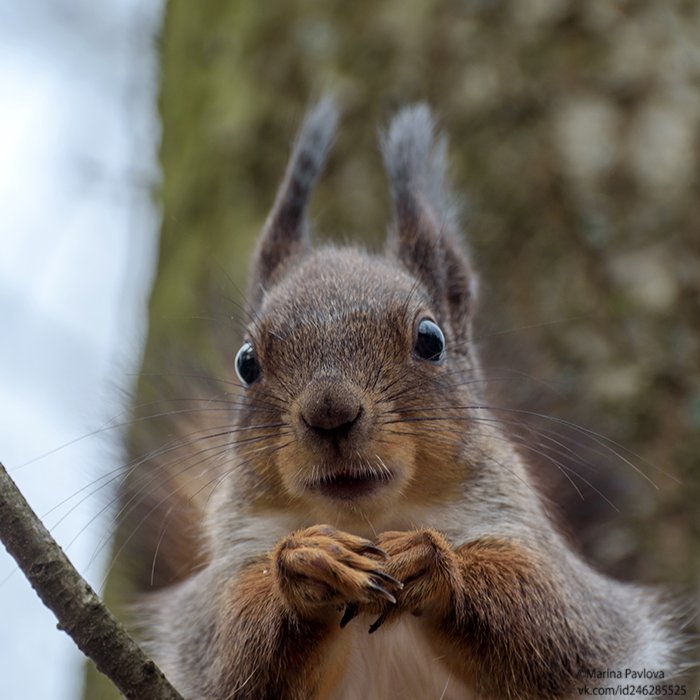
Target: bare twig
(79, 610)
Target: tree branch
(79, 610)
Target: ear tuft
(425, 236)
(416, 162)
(308, 158)
(284, 234)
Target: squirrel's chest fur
(395, 662)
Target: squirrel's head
(357, 367)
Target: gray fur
(416, 162)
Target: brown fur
(439, 534)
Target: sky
(79, 134)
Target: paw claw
(368, 548)
(351, 612)
(387, 578)
(378, 588)
(377, 623)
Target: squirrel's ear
(424, 236)
(285, 232)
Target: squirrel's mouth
(350, 485)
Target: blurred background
(79, 133)
(142, 144)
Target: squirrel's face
(345, 354)
(348, 354)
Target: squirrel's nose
(332, 412)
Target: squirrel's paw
(320, 568)
(425, 563)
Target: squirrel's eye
(430, 342)
(247, 365)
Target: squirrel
(375, 533)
